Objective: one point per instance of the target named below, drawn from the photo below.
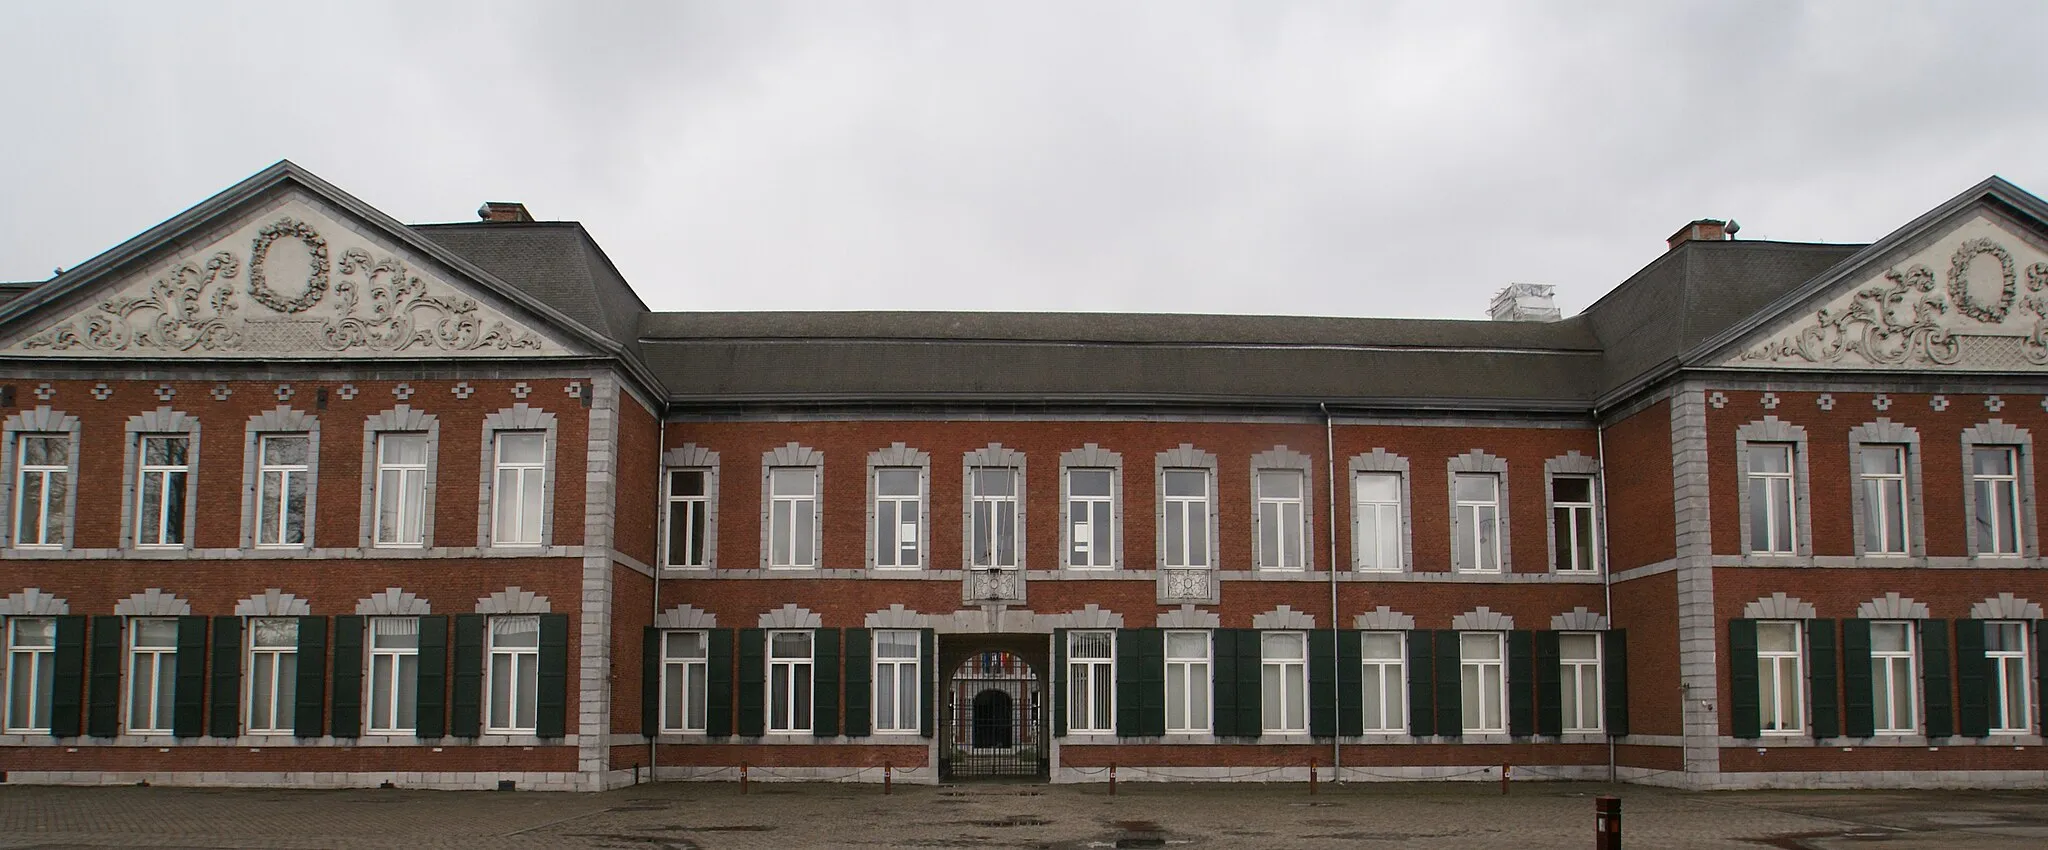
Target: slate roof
(11, 291)
(554, 261)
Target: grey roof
(11, 291)
(554, 261)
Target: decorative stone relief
(512, 600)
(153, 603)
(33, 602)
(790, 616)
(1778, 606)
(1580, 619)
(1483, 619)
(1090, 616)
(1284, 617)
(1189, 617)
(273, 603)
(897, 617)
(1384, 619)
(1892, 606)
(2005, 606)
(393, 601)
(686, 617)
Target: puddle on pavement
(1013, 820)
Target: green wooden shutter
(928, 680)
(1350, 683)
(1251, 720)
(103, 705)
(1860, 717)
(1450, 705)
(67, 681)
(860, 675)
(348, 677)
(825, 683)
(1934, 679)
(1745, 702)
(650, 681)
(1614, 673)
(1520, 674)
(1129, 682)
(551, 704)
(309, 717)
(718, 685)
(753, 683)
(2041, 674)
(1972, 680)
(1421, 692)
(1820, 654)
(465, 711)
(188, 696)
(431, 700)
(1322, 684)
(1549, 684)
(227, 677)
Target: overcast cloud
(1259, 157)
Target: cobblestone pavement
(715, 816)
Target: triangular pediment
(288, 272)
(1969, 293)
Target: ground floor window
(273, 674)
(789, 681)
(2005, 645)
(152, 674)
(1779, 675)
(31, 671)
(1187, 681)
(514, 674)
(684, 671)
(1386, 682)
(1091, 677)
(1482, 682)
(1284, 681)
(1579, 657)
(394, 674)
(896, 682)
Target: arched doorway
(994, 726)
(993, 714)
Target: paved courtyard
(709, 816)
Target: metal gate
(993, 719)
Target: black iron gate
(993, 721)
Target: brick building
(301, 495)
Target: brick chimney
(503, 211)
(1703, 230)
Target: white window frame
(2012, 671)
(409, 493)
(1091, 685)
(168, 478)
(687, 676)
(163, 665)
(796, 510)
(416, 504)
(1583, 687)
(1571, 519)
(1471, 516)
(1390, 674)
(281, 690)
(1386, 518)
(794, 675)
(1774, 663)
(1886, 704)
(1282, 681)
(1186, 507)
(45, 524)
(697, 506)
(384, 674)
(522, 692)
(277, 497)
(1778, 491)
(1482, 684)
(31, 669)
(897, 708)
(518, 472)
(890, 544)
(1195, 675)
(990, 553)
(1088, 529)
(1287, 514)
(2004, 487)
(1886, 497)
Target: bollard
(1607, 823)
(887, 777)
(743, 777)
(1311, 777)
(1504, 779)
(1112, 779)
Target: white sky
(1172, 156)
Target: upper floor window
(896, 680)
(31, 672)
(685, 673)
(1476, 522)
(394, 674)
(273, 674)
(1283, 659)
(1091, 681)
(161, 485)
(1185, 496)
(1578, 655)
(1386, 682)
(1780, 675)
(1482, 681)
(42, 481)
(401, 489)
(1187, 682)
(520, 489)
(1571, 517)
(152, 674)
(514, 673)
(1280, 519)
(2005, 646)
(792, 514)
(899, 513)
(1883, 473)
(283, 471)
(993, 517)
(1376, 521)
(689, 511)
(1771, 528)
(1893, 697)
(1994, 477)
(789, 681)
(1091, 536)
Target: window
(1770, 498)
(1482, 681)
(160, 510)
(1187, 681)
(1892, 697)
(1376, 521)
(42, 481)
(1994, 475)
(1386, 682)
(394, 674)
(1186, 500)
(1280, 519)
(514, 674)
(896, 678)
(899, 512)
(685, 671)
(789, 681)
(1284, 681)
(401, 489)
(792, 511)
(519, 496)
(1779, 673)
(1884, 499)
(994, 517)
(1477, 522)
(273, 674)
(281, 476)
(31, 672)
(152, 673)
(1578, 657)
(1571, 519)
(1091, 678)
(688, 516)
(1090, 534)
(2005, 644)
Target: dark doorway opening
(995, 720)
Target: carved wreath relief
(1906, 320)
(375, 305)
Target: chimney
(1703, 230)
(1525, 302)
(503, 211)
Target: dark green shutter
(188, 695)
(860, 674)
(2040, 673)
(1128, 683)
(650, 681)
(1140, 683)
(1934, 679)
(1421, 693)
(227, 677)
(825, 683)
(103, 706)
(1858, 703)
(1322, 685)
(718, 685)
(67, 681)
(1745, 703)
(1614, 672)
(1059, 683)
(309, 718)
(928, 680)
(431, 704)
(1520, 676)
(1251, 720)
(753, 683)
(1350, 683)
(1450, 705)
(348, 676)
(551, 704)
(1549, 684)
(1973, 680)
(1820, 653)
(465, 711)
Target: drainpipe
(654, 604)
(1336, 634)
(1606, 574)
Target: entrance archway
(995, 725)
(994, 717)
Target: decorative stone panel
(897, 617)
(1892, 606)
(1189, 617)
(1284, 617)
(153, 602)
(1384, 619)
(1778, 606)
(2005, 606)
(1483, 619)
(33, 602)
(790, 616)
(686, 617)
(512, 600)
(273, 603)
(393, 602)
(1579, 620)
